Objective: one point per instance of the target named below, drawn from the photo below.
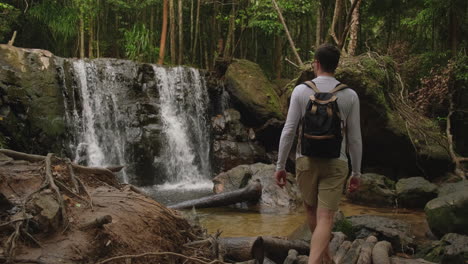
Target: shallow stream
(244, 221)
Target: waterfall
(113, 105)
(183, 102)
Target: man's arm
(289, 130)
(354, 139)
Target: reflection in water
(236, 222)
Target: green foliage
(61, 20)
(8, 16)
(137, 44)
(346, 227)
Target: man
(321, 179)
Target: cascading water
(118, 108)
(183, 102)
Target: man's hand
(280, 178)
(354, 182)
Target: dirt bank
(50, 213)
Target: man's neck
(325, 74)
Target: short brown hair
(328, 55)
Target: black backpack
(321, 131)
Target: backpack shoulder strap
(312, 86)
(339, 87)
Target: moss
(346, 227)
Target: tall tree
(162, 46)
(181, 34)
(172, 32)
(354, 29)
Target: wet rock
(375, 189)
(448, 188)
(229, 154)
(252, 93)
(415, 192)
(395, 231)
(272, 194)
(451, 249)
(229, 127)
(448, 213)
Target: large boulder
(31, 101)
(395, 231)
(448, 188)
(252, 93)
(272, 195)
(451, 249)
(375, 189)
(234, 144)
(415, 192)
(448, 214)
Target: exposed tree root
(53, 186)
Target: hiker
(326, 114)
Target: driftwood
(98, 222)
(398, 260)
(381, 252)
(242, 248)
(337, 240)
(344, 247)
(277, 249)
(302, 259)
(291, 258)
(251, 193)
(365, 257)
(353, 253)
(259, 248)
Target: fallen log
(344, 247)
(398, 260)
(98, 222)
(302, 259)
(242, 248)
(381, 252)
(291, 258)
(337, 240)
(277, 249)
(365, 257)
(251, 193)
(352, 255)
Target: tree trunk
(229, 37)
(91, 39)
(172, 32)
(454, 31)
(336, 17)
(181, 34)
(152, 33)
(82, 42)
(191, 24)
(251, 193)
(291, 42)
(277, 58)
(342, 38)
(197, 29)
(320, 24)
(354, 30)
(162, 46)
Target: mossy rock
(375, 189)
(451, 249)
(31, 101)
(448, 214)
(254, 95)
(415, 192)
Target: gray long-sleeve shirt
(348, 103)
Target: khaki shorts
(321, 181)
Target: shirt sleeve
(289, 129)
(353, 124)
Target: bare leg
(321, 235)
(311, 212)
